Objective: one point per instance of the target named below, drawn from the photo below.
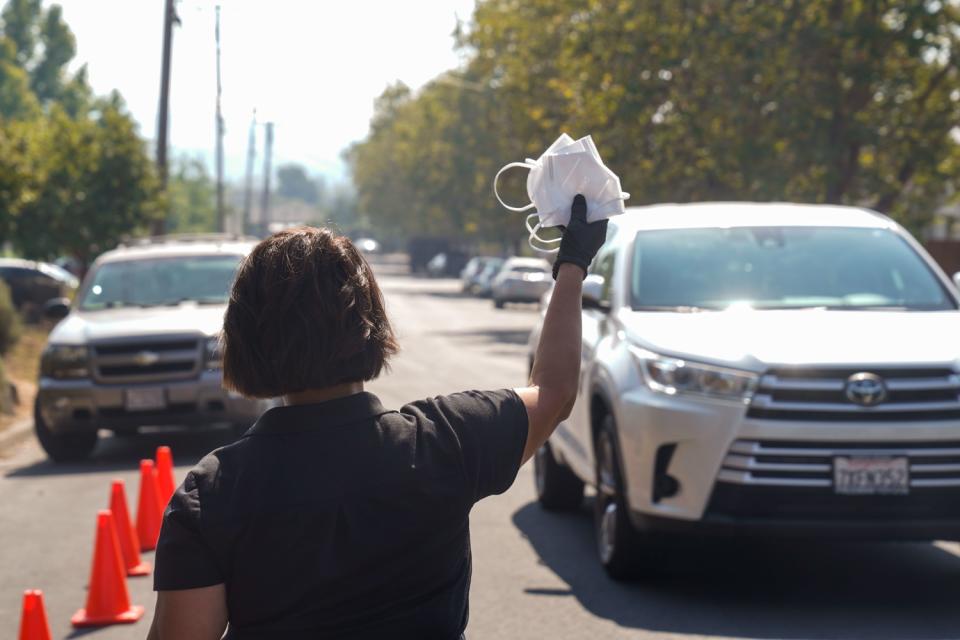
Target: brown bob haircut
(305, 312)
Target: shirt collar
(322, 415)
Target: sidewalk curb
(15, 434)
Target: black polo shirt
(343, 519)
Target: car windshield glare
(160, 281)
(781, 268)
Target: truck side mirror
(956, 279)
(56, 308)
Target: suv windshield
(161, 281)
(782, 268)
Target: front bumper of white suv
(700, 464)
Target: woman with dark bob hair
(334, 517)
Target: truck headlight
(212, 354)
(65, 361)
(673, 376)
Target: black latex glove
(581, 239)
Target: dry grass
(22, 368)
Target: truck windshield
(160, 282)
(782, 268)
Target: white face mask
(565, 169)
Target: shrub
(9, 320)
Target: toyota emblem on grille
(866, 389)
(146, 358)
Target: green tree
(17, 101)
(805, 100)
(43, 46)
(192, 197)
(93, 183)
(293, 182)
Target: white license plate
(873, 475)
(145, 399)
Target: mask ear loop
(529, 164)
(535, 236)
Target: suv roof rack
(185, 237)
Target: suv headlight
(65, 361)
(673, 376)
(213, 354)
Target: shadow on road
(124, 453)
(761, 590)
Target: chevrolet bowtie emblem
(146, 358)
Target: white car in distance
(521, 280)
(768, 369)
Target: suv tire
(621, 548)
(64, 447)
(558, 489)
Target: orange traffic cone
(108, 601)
(129, 544)
(165, 480)
(148, 508)
(33, 620)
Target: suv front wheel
(63, 447)
(622, 549)
(558, 489)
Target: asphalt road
(535, 575)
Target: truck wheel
(64, 447)
(558, 488)
(498, 303)
(619, 545)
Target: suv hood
(755, 339)
(82, 327)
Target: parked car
(474, 270)
(484, 280)
(367, 245)
(33, 283)
(766, 369)
(521, 280)
(447, 265)
(139, 346)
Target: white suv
(761, 368)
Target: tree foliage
(75, 175)
(192, 198)
(294, 183)
(840, 101)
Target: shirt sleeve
(183, 559)
(491, 430)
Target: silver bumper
(74, 405)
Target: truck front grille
(786, 463)
(820, 394)
(147, 359)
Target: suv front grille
(786, 463)
(820, 394)
(146, 360)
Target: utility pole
(169, 17)
(265, 196)
(220, 213)
(251, 158)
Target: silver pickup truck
(138, 347)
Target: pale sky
(313, 67)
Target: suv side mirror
(592, 292)
(956, 279)
(57, 308)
